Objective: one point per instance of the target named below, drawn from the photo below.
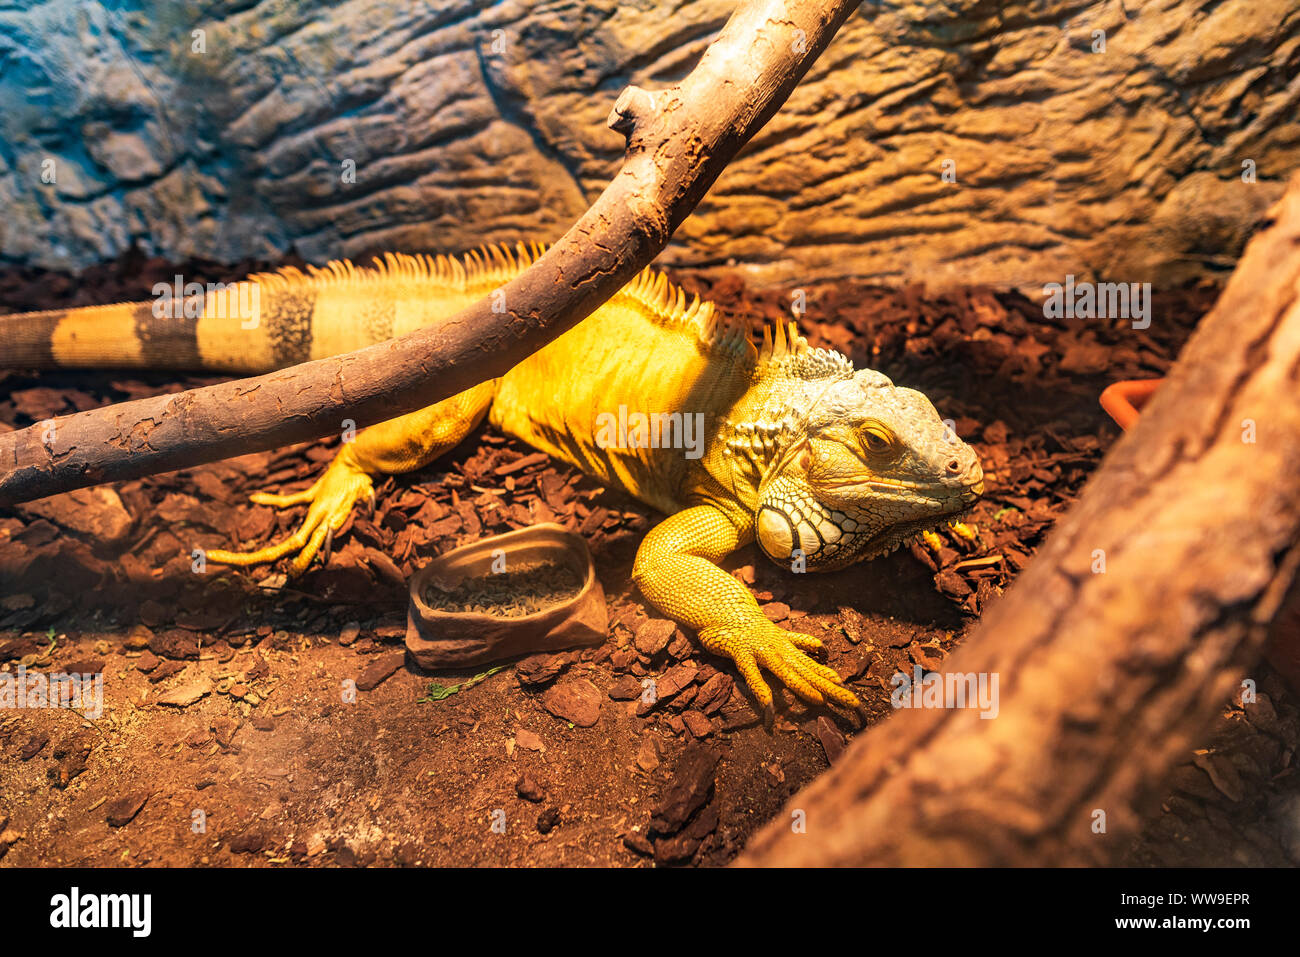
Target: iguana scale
(821, 464)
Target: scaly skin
(686, 548)
(821, 465)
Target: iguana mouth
(836, 530)
(935, 493)
(876, 483)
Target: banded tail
(274, 320)
(267, 322)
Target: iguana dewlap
(822, 465)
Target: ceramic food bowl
(530, 590)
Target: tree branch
(1106, 677)
(678, 141)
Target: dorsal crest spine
(783, 351)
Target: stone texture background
(470, 120)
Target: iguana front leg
(399, 445)
(675, 569)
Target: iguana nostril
(954, 466)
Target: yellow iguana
(823, 465)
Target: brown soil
(252, 720)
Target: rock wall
(231, 128)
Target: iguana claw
(330, 502)
(766, 646)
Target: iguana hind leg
(399, 445)
(675, 569)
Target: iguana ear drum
(826, 538)
(775, 534)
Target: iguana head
(866, 468)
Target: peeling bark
(1105, 679)
(678, 140)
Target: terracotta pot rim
(575, 544)
(1118, 399)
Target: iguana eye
(877, 440)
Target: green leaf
(438, 692)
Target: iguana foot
(764, 645)
(331, 499)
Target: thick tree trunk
(1107, 673)
(678, 140)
